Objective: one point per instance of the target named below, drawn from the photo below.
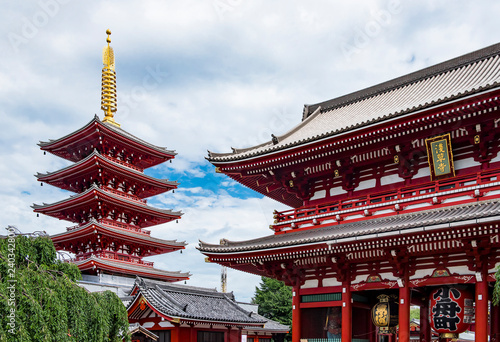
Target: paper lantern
(385, 313)
(451, 311)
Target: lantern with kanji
(451, 311)
(385, 313)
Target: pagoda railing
(115, 257)
(119, 225)
(125, 226)
(121, 162)
(472, 185)
(127, 196)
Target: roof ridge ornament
(108, 84)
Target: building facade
(394, 191)
(180, 313)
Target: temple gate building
(395, 201)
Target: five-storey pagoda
(110, 208)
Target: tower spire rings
(109, 101)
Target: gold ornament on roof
(108, 85)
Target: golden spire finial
(108, 87)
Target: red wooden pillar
(192, 333)
(346, 310)
(425, 327)
(495, 323)
(296, 314)
(174, 334)
(404, 311)
(482, 309)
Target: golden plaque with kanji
(440, 156)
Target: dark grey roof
(442, 217)
(405, 80)
(463, 76)
(187, 302)
(270, 325)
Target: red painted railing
(433, 192)
(123, 194)
(118, 161)
(115, 257)
(119, 225)
(125, 226)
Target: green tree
(41, 301)
(415, 313)
(275, 300)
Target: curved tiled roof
(96, 153)
(444, 82)
(120, 232)
(442, 217)
(120, 131)
(193, 303)
(132, 269)
(101, 191)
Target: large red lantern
(451, 311)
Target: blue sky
(197, 76)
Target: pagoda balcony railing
(124, 194)
(119, 225)
(121, 162)
(124, 226)
(472, 185)
(115, 257)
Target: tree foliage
(275, 300)
(49, 304)
(496, 289)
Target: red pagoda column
(404, 311)
(346, 311)
(482, 308)
(296, 314)
(425, 329)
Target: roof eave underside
(125, 202)
(146, 238)
(137, 174)
(133, 269)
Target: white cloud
(193, 77)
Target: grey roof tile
(456, 78)
(195, 303)
(448, 216)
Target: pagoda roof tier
(101, 168)
(443, 83)
(386, 228)
(95, 263)
(104, 136)
(188, 304)
(102, 235)
(99, 203)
